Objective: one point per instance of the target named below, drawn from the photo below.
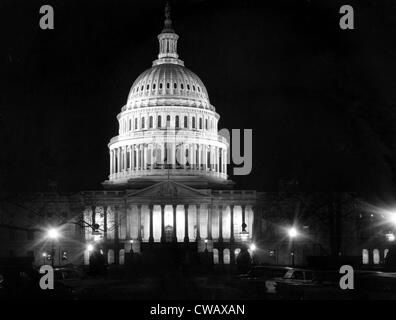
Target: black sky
(321, 101)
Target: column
(132, 157)
(191, 156)
(206, 157)
(162, 223)
(118, 160)
(232, 223)
(139, 222)
(220, 223)
(151, 238)
(174, 207)
(186, 223)
(198, 210)
(152, 157)
(173, 155)
(209, 227)
(111, 162)
(145, 157)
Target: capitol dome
(168, 128)
(168, 83)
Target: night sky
(321, 101)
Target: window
(193, 122)
(298, 275)
(168, 121)
(200, 123)
(199, 90)
(193, 87)
(185, 122)
(153, 86)
(175, 85)
(148, 87)
(365, 256)
(182, 86)
(215, 256)
(143, 123)
(177, 122)
(167, 85)
(142, 88)
(376, 256)
(130, 124)
(206, 124)
(161, 85)
(151, 121)
(226, 256)
(159, 122)
(136, 124)
(188, 87)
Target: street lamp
(44, 255)
(90, 247)
(252, 247)
(53, 234)
(293, 233)
(206, 245)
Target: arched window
(193, 87)
(177, 122)
(148, 87)
(365, 256)
(136, 126)
(110, 256)
(161, 85)
(182, 86)
(143, 123)
(130, 124)
(153, 86)
(376, 256)
(167, 85)
(168, 121)
(215, 256)
(226, 256)
(174, 85)
(122, 257)
(185, 122)
(159, 122)
(200, 123)
(193, 122)
(188, 87)
(151, 121)
(206, 124)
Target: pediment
(168, 189)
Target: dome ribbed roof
(168, 84)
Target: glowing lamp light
(53, 233)
(252, 247)
(390, 236)
(90, 247)
(206, 240)
(392, 218)
(293, 232)
(44, 254)
(131, 241)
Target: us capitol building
(167, 185)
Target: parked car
(263, 273)
(23, 283)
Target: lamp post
(53, 234)
(206, 245)
(131, 242)
(44, 256)
(293, 233)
